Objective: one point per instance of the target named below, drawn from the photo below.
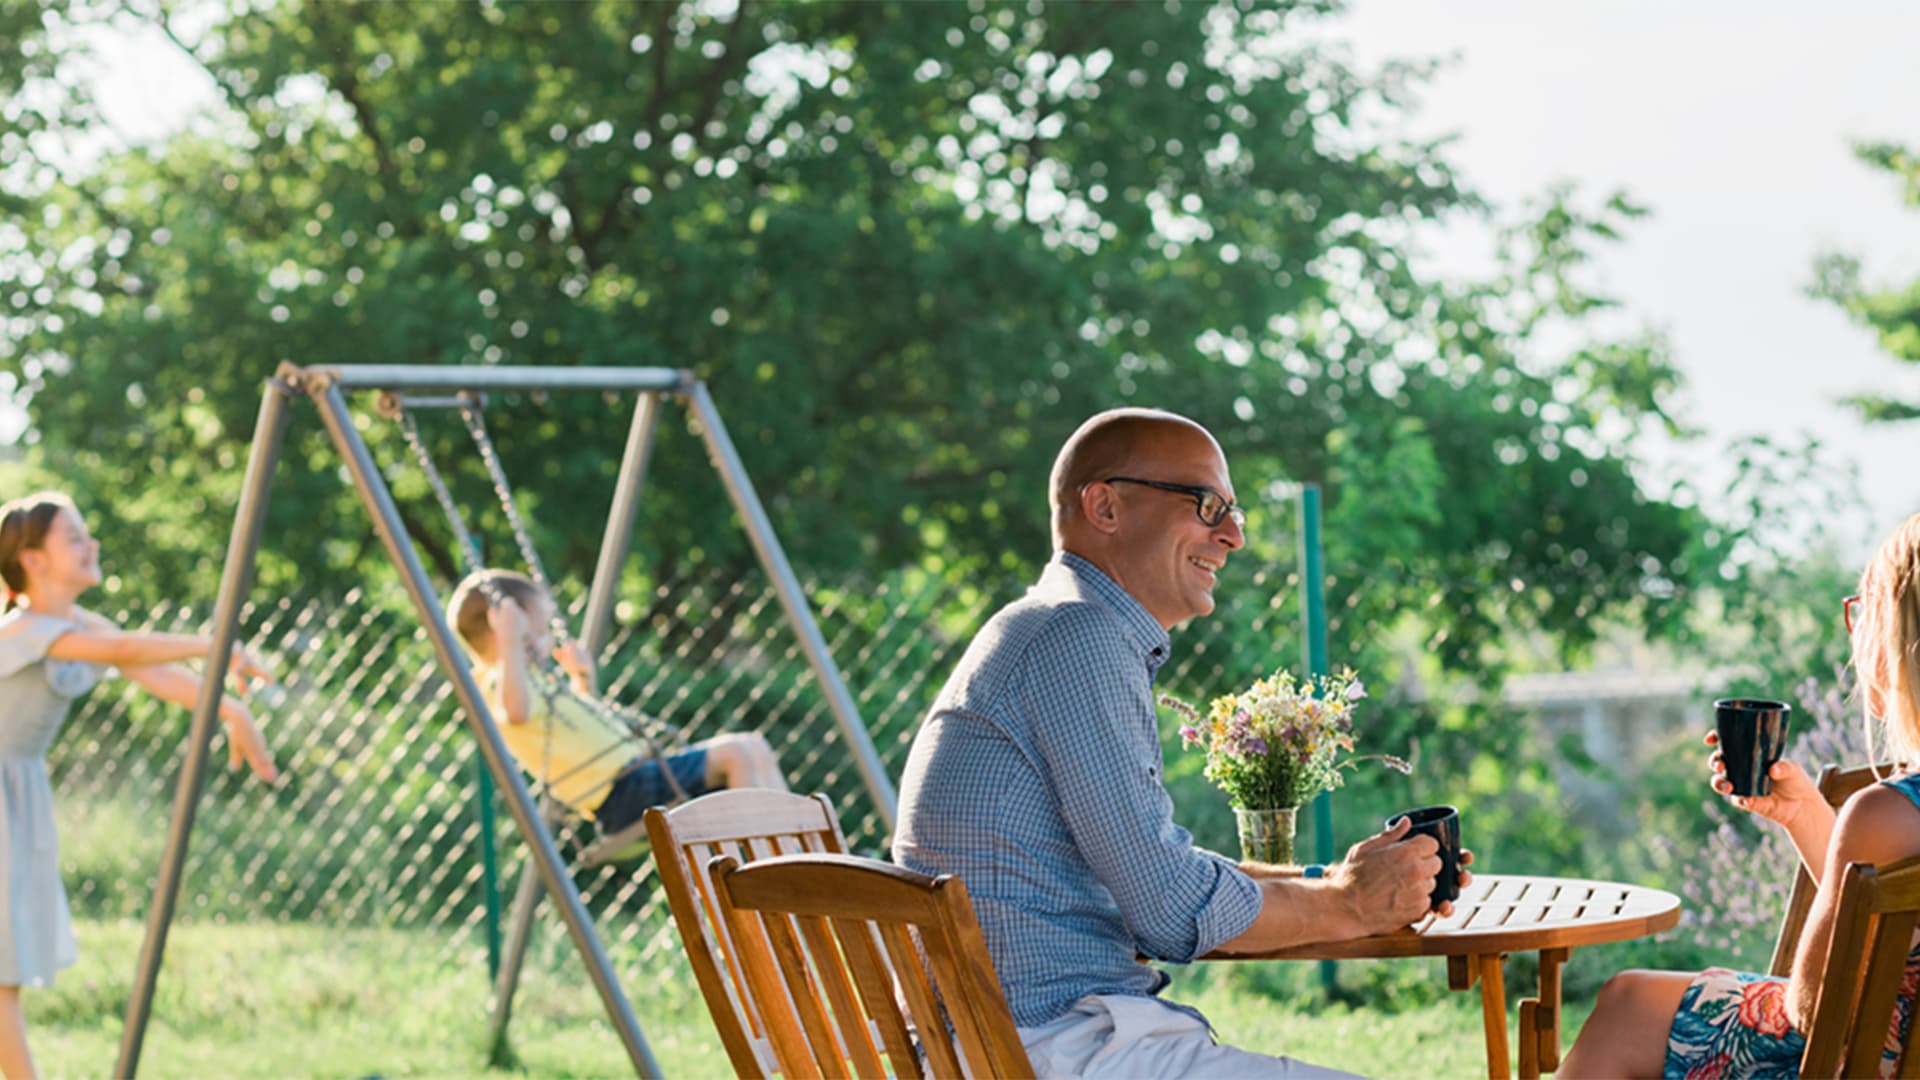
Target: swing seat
(623, 846)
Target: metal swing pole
(793, 598)
(236, 581)
(619, 535)
(599, 616)
(325, 388)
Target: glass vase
(1266, 836)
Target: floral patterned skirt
(1733, 1023)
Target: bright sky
(1730, 119)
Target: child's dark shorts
(643, 785)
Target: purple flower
(1256, 745)
(1355, 691)
(1190, 734)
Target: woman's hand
(1794, 792)
(244, 744)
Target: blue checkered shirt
(1037, 780)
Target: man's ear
(1100, 507)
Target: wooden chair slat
(990, 1018)
(874, 981)
(1892, 938)
(1873, 933)
(924, 949)
(765, 986)
(830, 966)
(803, 993)
(684, 839)
(923, 1013)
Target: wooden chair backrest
(850, 958)
(745, 824)
(1837, 785)
(1860, 988)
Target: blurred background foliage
(910, 247)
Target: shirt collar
(1145, 630)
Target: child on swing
(586, 764)
(1725, 1023)
(52, 650)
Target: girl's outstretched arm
(171, 682)
(100, 641)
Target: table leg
(1461, 972)
(1529, 1040)
(1551, 961)
(1540, 1019)
(1493, 1007)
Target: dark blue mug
(1443, 824)
(1753, 732)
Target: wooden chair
(745, 824)
(1837, 785)
(882, 949)
(1859, 991)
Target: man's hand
(1794, 792)
(244, 743)
(1387, 879)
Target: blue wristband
(1313, 870)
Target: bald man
(1037, 778)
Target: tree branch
(347, 83)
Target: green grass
(264, 1000)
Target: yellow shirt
(568, 747)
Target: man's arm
(1089, 704)
(1383, 884)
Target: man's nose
(1231, 533)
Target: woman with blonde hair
(1726, 1023)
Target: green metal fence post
(1314, 607)
(489, 861)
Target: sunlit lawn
(269, 1000)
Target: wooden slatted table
(1500, 914)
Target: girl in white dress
(51, 651)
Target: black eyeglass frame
(1200, 496)
(1847, 608)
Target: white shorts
(1125, 1035)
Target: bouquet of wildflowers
(1278, 743)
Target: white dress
(36, 933)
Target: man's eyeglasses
(1212, 506)
(1850, 608)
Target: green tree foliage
(910, 247)
(1892, 313)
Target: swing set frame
(327, 387)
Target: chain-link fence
(375, 823)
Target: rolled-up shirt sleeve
(1101, 752)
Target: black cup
(1443, 824)
(1753, 732)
